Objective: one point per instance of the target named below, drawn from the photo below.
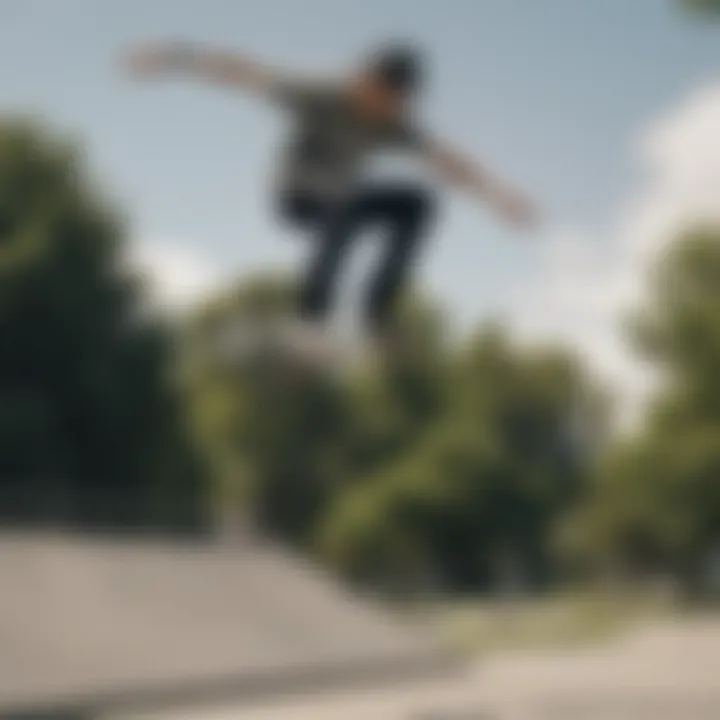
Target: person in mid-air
(337, 125)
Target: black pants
(403, 212)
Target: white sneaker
(309, 341)
(388, 349)
(241, 341)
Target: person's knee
(419, 203)
(415, 206)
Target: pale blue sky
(551, 93)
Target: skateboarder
(337, 125)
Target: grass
(482, 626)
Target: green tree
(482, 486)
(705, 8)
(88, 415)
(656, 503)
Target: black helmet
(400, 66)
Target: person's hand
(148, 61)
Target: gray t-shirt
(330, 140)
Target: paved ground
(90, 622)
(76, 616)
(670, 672)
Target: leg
(318, 284)
(308, 214)
(334, 234)
(407, 211)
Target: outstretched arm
(216, 66)
(469, 176)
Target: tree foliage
(87, 413)
(656, 502)
(703, 8)
(478, 490)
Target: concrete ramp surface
(94, 623)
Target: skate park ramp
(89, 625)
